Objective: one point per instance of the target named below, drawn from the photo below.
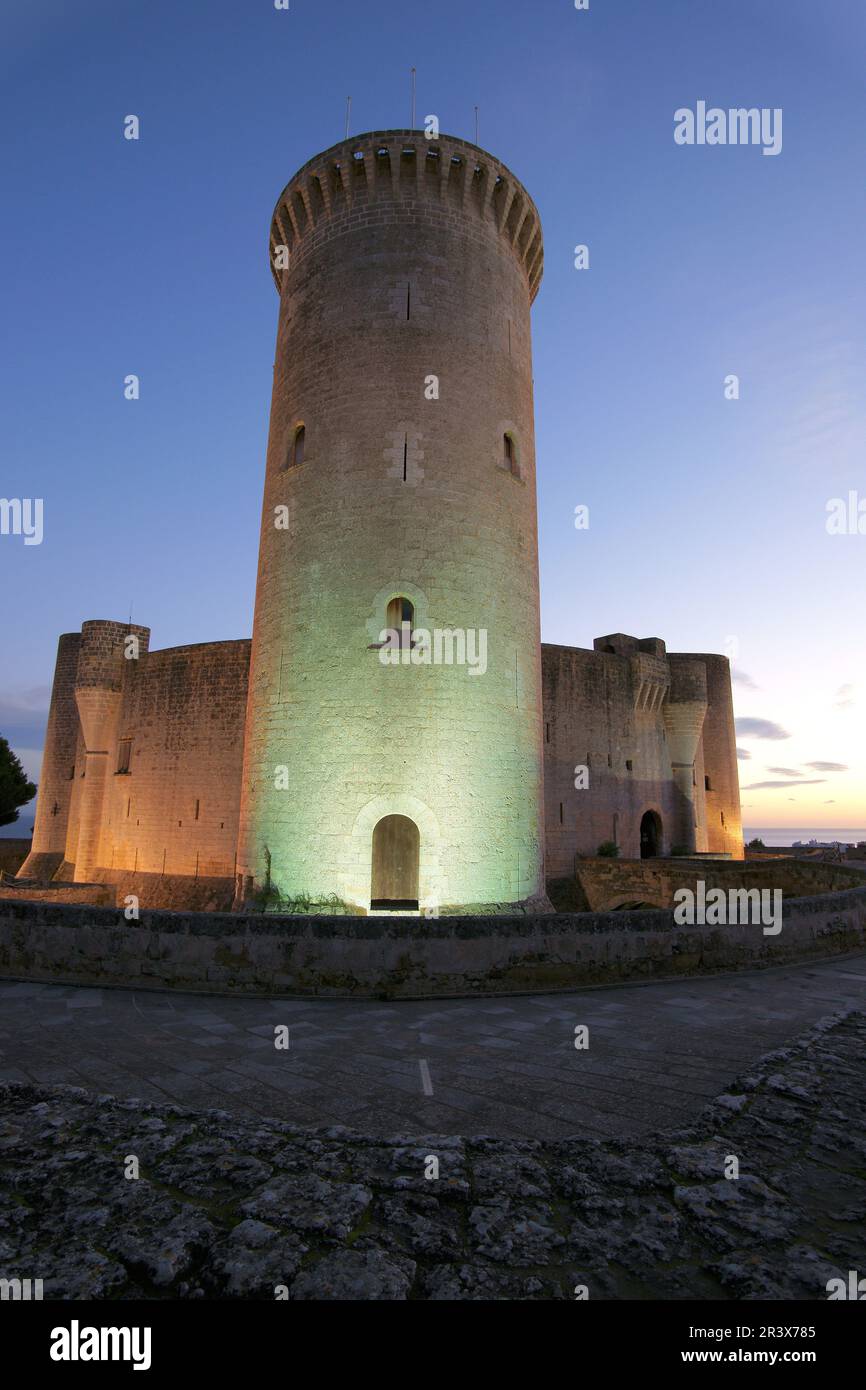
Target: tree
(15, 790)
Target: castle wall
(670, 715)
(401, 266)
(400, 468)
(176, 810)
(173, 817)
(590, 715)
(56, 779)
(724, 817)
(13, 854)
(66, 871)
(248, 953)
(684, 711)
(104, 663)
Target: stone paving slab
(224, 1207)
(657, 1051)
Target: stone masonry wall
(719, 749)
(605, 884)
(56, 777)
(176, 810)
(13, 854)
(407, 259)
(403, 957)
(589, 714)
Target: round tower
(401, 769)
(57, 775)
(102, 657)
(684, 714)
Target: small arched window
(299, 444)
(401, 612)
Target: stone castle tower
(399, 495)
(395, 735)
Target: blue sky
(707, 516)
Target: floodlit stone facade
(639, 751)
(388, 734)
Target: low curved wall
(403, 957)
(603, 885)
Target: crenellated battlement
(396, 165)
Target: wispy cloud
(743, 754)
(805, 782)
(827, 767)
(14, 702)
(786, 771)
(743, 679)
(845, 697)
(760, 728)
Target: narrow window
(629, 765)
(405, 455)
(509, 455)
(560, 813)
(408, 302)
(707, 786)
(124, 752)
(197, 804)
(547, 733)
(723, 817)
(299, 446)
(400, 618)
(128, 806)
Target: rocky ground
(229, 1208)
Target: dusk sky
(708, 516)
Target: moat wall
(403, 957)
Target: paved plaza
(506, 1067)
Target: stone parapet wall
(404, 957)
(171, 892)
(84, 894)
(603, 885)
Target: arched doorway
(650, 835)
(396, 854)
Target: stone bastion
(405, 957)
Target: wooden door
(396, 852)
